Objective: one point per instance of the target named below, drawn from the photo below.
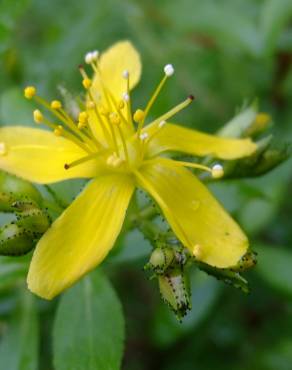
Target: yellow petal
(113, 62)
(81, 237)
(39, 156)
(176, 138)
(195, 216)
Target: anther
(169, 70)
(161, 124)
(121, 104)
(125, 74)
(38, 116)
(103, 110)
(95, 54)
(66, 166)
(83, 117)
(90, 105)
(125, 97)
(217, 171)
(114, 118)
(82, 120)
(191, 97)
(86, 82)
(56, 104)
(139, 115)
(144, 136)
(88, 58)
(3, 149)
(29, 92)
(114, 161)
(58, 130)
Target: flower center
(106, 127)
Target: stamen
(29, 92)
(175, 110)
(100, 120)
(217, 171)
(114, 118)
(169, 71)
(86, 82)
(160, 125)
(144, 136)
(116, 121)
(95, 55)
(192, 165)
(88, 57)
(83, 160)
(38, 116)
(56, 104)
(58, 131)
(126, 97)
(3, 149)
(114, 161)
(139, 116)
(125, 74)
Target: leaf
(274, 266)
(12, 270)
(89, 327)
(274, 16)
(19, 346)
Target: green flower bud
(175, 292)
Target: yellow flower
(107, 146)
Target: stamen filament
(100, 120)
(128, 101)
(124, 143)
(66, 134)
(173, 111)
(83, 160)
(63, 117)
(154, 96)
(192, 165)
(114, 138)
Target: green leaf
(12, 269)
(89, 327)
(274, 16)
(274, 266)
(19, 346)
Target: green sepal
(21, 198)
(226, 275)
(15, 240)
(18, 188)
(267, 157)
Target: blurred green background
(226, 52)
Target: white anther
(217, 171)
(144, 136)
(95, 54)
(88, 57)
(3, 149)
(126, 97)
(161, 124)
(125, 74)
(169, 70)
